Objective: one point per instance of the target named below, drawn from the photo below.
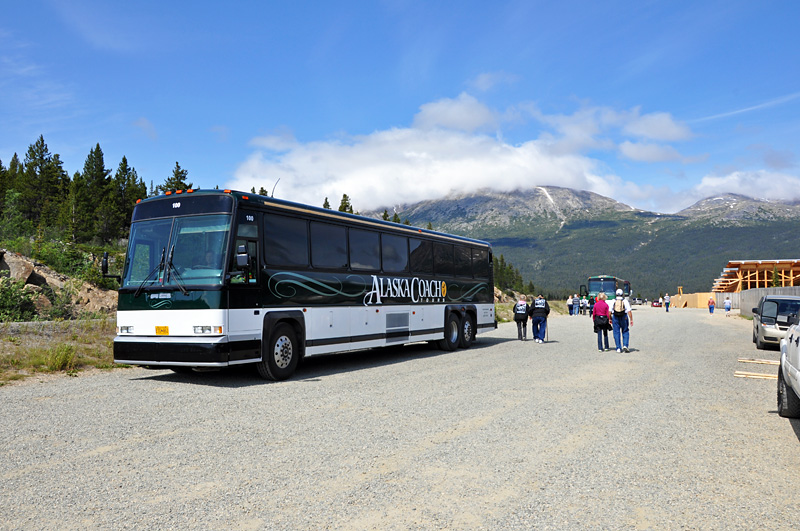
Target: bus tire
(467, 329)
(452, 332)
(279, 356)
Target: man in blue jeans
(539, 312)
(621, 321)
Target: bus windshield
(596, 285)
(177, 251)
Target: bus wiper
(171, 267)
(150, 274)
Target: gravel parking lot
(505, 435)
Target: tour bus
(216, 278)
(606, 283)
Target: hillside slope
(557, 237)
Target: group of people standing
(618, 318)
(537, 312)
(579, 305)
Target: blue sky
(655, 104)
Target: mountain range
(558, 237)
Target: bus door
(245, 316)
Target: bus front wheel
(452, 332)
(280, 357)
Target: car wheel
(451, 332)
(788, 401)
(759, 344)
(280, 357)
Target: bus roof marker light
(178, 191)
(189, 191)
(167, 193)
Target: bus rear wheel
(467, 335)
(280, 357)
(452, 332)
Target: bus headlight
(125, 330)
(204, 329)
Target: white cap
(619, 292)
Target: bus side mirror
(242, 258)
(583, 291)
(104, 268)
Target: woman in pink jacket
(602, 321)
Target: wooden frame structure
(740, 275)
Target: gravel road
(505, 435)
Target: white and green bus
(216, 278)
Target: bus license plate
(162, 330)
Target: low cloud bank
(455, 146)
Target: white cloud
(489, 80)
(407, 165)
(648, 152)
(445, 151)
(464, 113)
(147, 127)
(657, 126)
(761, 184)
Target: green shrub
(16, 304)
(61, 358)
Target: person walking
(584, 305)
(569, 305)
(666, 302)
(727, 306)
(711, 305)
(576, 304)
(539, 312)
(621, 321)
(601, 315)
(521, 311)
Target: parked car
(771, 319)
(636, 300)
(789, 373)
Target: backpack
(619, 307)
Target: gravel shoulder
(505, 435)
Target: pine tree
(263, 191)
(385, 216)
(40, 184)
(176, 181)
(127, 189)
(326, 204)
(345, 205)
(430, 226)
(396, 218)
(3, 185)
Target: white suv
(789, 373)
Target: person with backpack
(539, 312)
(621, 321)
(521, 311)
(601, 316)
